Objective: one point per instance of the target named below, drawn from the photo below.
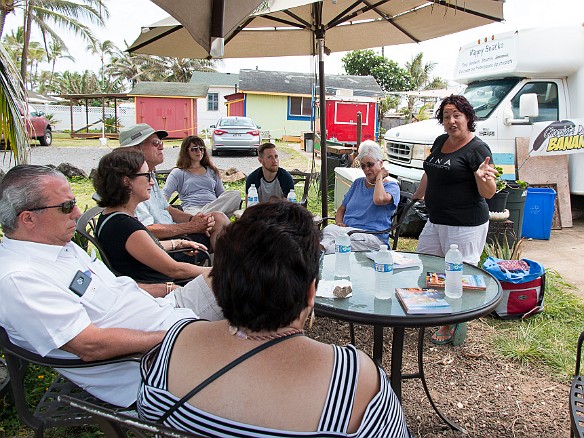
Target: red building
(171, 106)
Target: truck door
(548, 92)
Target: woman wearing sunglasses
(368, 205)
(122, 181)
(197, 181)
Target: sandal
(456, 335)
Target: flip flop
(456, 335)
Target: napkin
(326, 287)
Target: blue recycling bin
(538, 213)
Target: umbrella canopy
(302, 27)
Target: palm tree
(56, 51)
(420, 76)
(13, 43)
(181, 69)
(105, 48)
(12, 94)
(64, 13)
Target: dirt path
(563, 253)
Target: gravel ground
(87, 158)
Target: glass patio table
(363, 308)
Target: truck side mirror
(527, 108)
(528, 105)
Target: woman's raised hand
(486, 171)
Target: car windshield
(239, 121)
(485, 96)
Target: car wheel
(214, 152)
(47, 139)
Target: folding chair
(124, 423)
(577, 395)
(50, 412)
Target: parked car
(38, 127)
(235, 133)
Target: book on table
(469, 282)
(417, 300)
(400, 261)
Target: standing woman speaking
(458, 176)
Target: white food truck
(546, 64)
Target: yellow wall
(270, 112)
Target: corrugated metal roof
(215, 78)
(301, 83)
(169, 89)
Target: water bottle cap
(382, 247)
(453, 246)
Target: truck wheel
(47, 139)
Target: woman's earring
(311, 320)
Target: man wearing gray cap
(162, 219)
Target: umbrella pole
(322, 103)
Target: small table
(363, 308)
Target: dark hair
(461, 105)
(265, 146)
(108, 180)
(265, 263)
(22, 189)
(184, 160)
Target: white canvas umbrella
(301, 27)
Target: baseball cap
(138, 133)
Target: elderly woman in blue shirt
(368, 205)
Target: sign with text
(488, 56)
(557, 138)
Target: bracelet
(169, 285)
(172, 245)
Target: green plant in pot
(499, 200)
(503, 248)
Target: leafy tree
(103, 49)
(46, 13)
(56, 51)
(388, 74)
(12, 92)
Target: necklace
(367, 183)
(242, 335)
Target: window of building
(299, 106)
(213, 102)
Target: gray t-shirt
(268, 190)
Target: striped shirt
(383, 416)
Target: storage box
(538, 213)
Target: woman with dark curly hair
(256, 374)
(197, 181)
(122, 181)
(458, 176)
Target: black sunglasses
(195, 148)
(367, 165)
(66, 207)
(146, 174)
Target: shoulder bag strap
(219, 373)
(98, 229)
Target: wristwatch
(169, 287)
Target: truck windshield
(485, 96)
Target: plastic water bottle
(383, 273)
(342, 255)
(292, 196)
(252, 196)
(453, 265)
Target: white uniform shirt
(154, 210)
(40, 312)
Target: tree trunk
(6, 7)
(27, 26)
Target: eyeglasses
(146, 174)
(66, 207)
(367, 165)
(156, 142)
(197, 148)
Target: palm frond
(12, 99)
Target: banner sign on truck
(557, 138)
(487, 57)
